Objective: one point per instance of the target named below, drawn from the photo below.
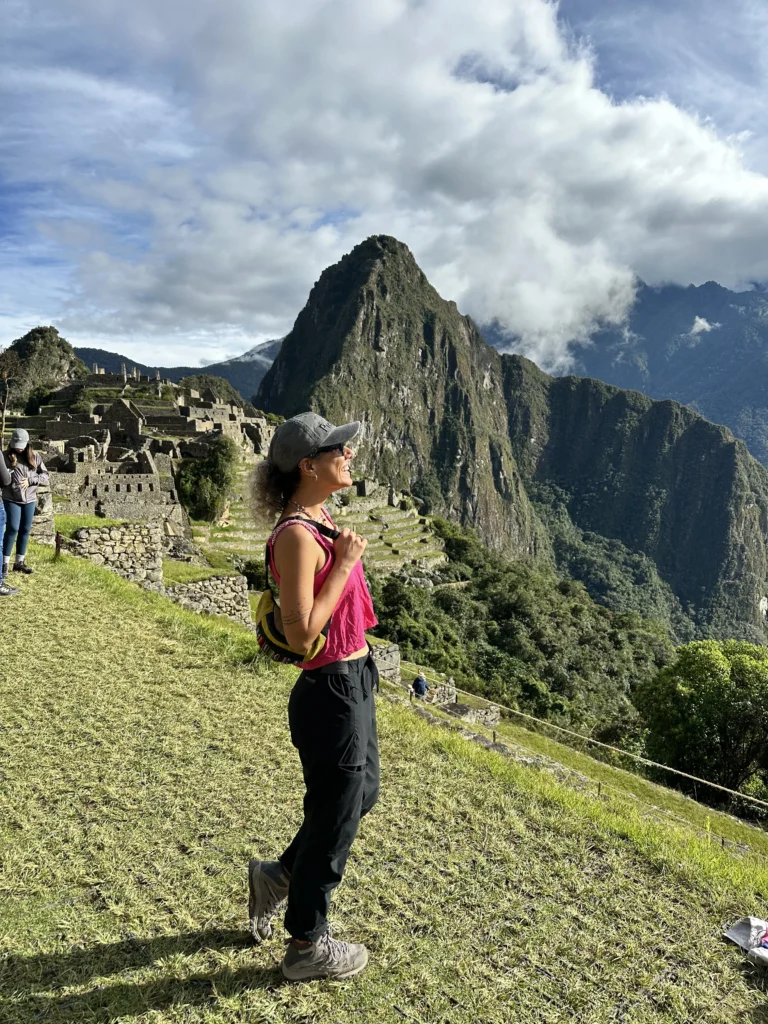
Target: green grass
(217, 559)
(68, 524)
(376, 641)
(653, 798)
(184, 572)
(140, 775)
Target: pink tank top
(353, 613)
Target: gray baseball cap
(298, 437)
(19, 438)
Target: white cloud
(200, 178)
(702, 326)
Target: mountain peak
(377, 247)
(374, 256)
(377, 343)
(376, 300)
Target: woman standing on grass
(27, 471)
(331, 710)
(5, 479)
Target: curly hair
(270, 490)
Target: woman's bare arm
(305, 615)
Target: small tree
(205, 484)
(707, 712)
(11, 379)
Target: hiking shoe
(6, 591)
(23, 567)
(326, 958)
(267, 888)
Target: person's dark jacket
(419, 685)
(5, 476)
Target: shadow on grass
(31, 986)
(755, 978)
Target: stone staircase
(396, 537)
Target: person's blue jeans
(18, 527)
(2, 531)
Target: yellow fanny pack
(269, 620)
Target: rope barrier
(604, 746)
(661, 815)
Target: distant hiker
(331, 711)
(27, 471)
(419, 685)
(5, 479)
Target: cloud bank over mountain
(177, 175)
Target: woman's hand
(349, 547)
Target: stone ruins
(117, 456)
(135, 552)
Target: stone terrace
(395, 536)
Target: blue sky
(709, 58)
(174, 177)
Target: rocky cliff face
(654, 475)
(375, 342)
(491, 439)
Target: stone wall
(216, 595)
(42, 524)
(132, 550)
(387, 658)
(488, 716)
(444, 693)
(135, 552)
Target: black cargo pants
(332, 716)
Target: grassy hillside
(144, 759)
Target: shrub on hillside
(204, 484)
(36, 398)
(253, 570)
(520, 635)
(707, 712)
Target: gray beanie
(19, 438)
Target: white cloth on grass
(747, 933)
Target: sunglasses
(340, 448)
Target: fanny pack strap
(326, 531)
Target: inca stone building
(117, 456)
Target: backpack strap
(326, 531)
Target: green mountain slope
(646, 502)
(653, 475)
(704, 346)
(376, 342)
(486, 891)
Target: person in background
(27, 471)
(419, 685)
(5, 479)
